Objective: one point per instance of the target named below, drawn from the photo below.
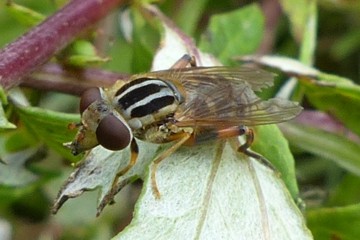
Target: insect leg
(231, 132)
(184, 136)
(134, 155)
(249, 135)
(210, 134)
(184, 61)
(116, 186)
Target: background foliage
(324, 140)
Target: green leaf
(24, 15)
(270, 142)
(332, 146)
(17, 140)
(309, 27)
(81, 53)
(346, 192)
(235, 33)
(335, 223)
(144, 42)
(212, 192)
(299, 12)
(50, 127)
(175, 44)
(337, 96)
(189, 14)
(14, 173)
(4, 123)
(330, 93)
(346, 45)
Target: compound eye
(88, 97)
(112, 133)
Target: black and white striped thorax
(146, 101)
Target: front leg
(134, 151)
(182, 138)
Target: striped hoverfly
(184, 105)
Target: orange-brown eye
(112, 133)
(88, 97)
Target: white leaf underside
(99, 168)
(207, 193)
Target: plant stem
(37, 46)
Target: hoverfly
(185, 105)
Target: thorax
(147, 102)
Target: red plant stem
(37, 46)
(272, 13)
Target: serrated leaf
(212, 192)
(335, 223)
(235, 33)
(98, 170)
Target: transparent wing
(255, 78)
(223, 96)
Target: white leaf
(98, 170)
(286, 65)
(175, 44)
(212, 192)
